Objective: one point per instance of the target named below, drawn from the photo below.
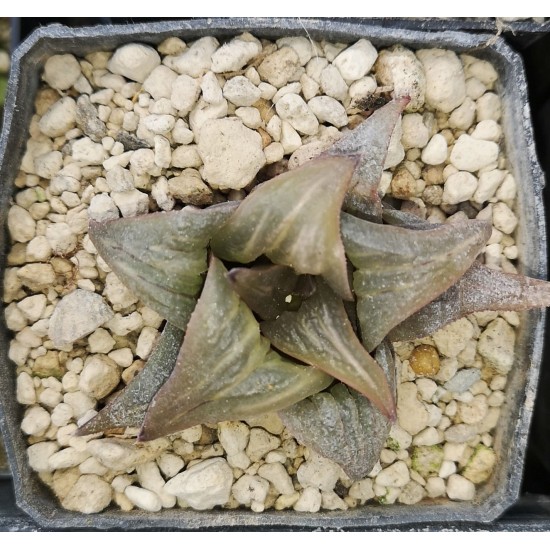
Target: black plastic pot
(511, 437)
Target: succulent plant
(288, 301)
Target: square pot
(511, 434)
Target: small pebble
(424, 360)
(61, 71)
(309, 501)
(35, 421)
(471, 154)
(319, 472)
(279, 67)
(357, 60)
(445, 80)
(252, 491)
(89, 495)
(460, 488)
(459, 187)
(134, 61)
(143, 498)
(99, 377)
(396, 475)
(400, 68)
(435, 151)
(260, 443)
(234, 55)
(203, 485)
(462, 380)
(412, 413)
(327, 109)
(496, 345)
(242, 155)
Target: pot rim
(36, 500)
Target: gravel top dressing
(138, 130)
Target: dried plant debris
(261, 328)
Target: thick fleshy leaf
(224, 358)
(480, 289)
(343, 425)
(400, 218)
(162, 257)
(401, 270)
(276, 384)
(128, 408)
(320, 334)
(269, 290)
(370, 141)
(294, 220)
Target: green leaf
(294, 219)
(401, 270)
(269, 290)
(480, 289)
(370, 141)
(400, 218)
(222, 367)
(128, 408)
(277, 383)
(342, 425)
(320, 334)
(162, 257)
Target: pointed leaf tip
(162, 257)
(221, 346)
(127, 409)
(403, 101)
(225, 369)
(294, 220)
(480, 289)
(401, 270)
(320, 334)
(370, 142)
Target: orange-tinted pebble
(424, 360)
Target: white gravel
(445, 80)
(134, 61)
(144, 129)
(204, 485)
(435, 151)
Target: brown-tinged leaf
(480, 289)
(269, 290)
(224, 359)
(343, 425)
(294, 219)
(400, 218)
(276, 384)
(162, 257)
(128, 408)
(370, 141)
(320, 334)
(401, 270)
